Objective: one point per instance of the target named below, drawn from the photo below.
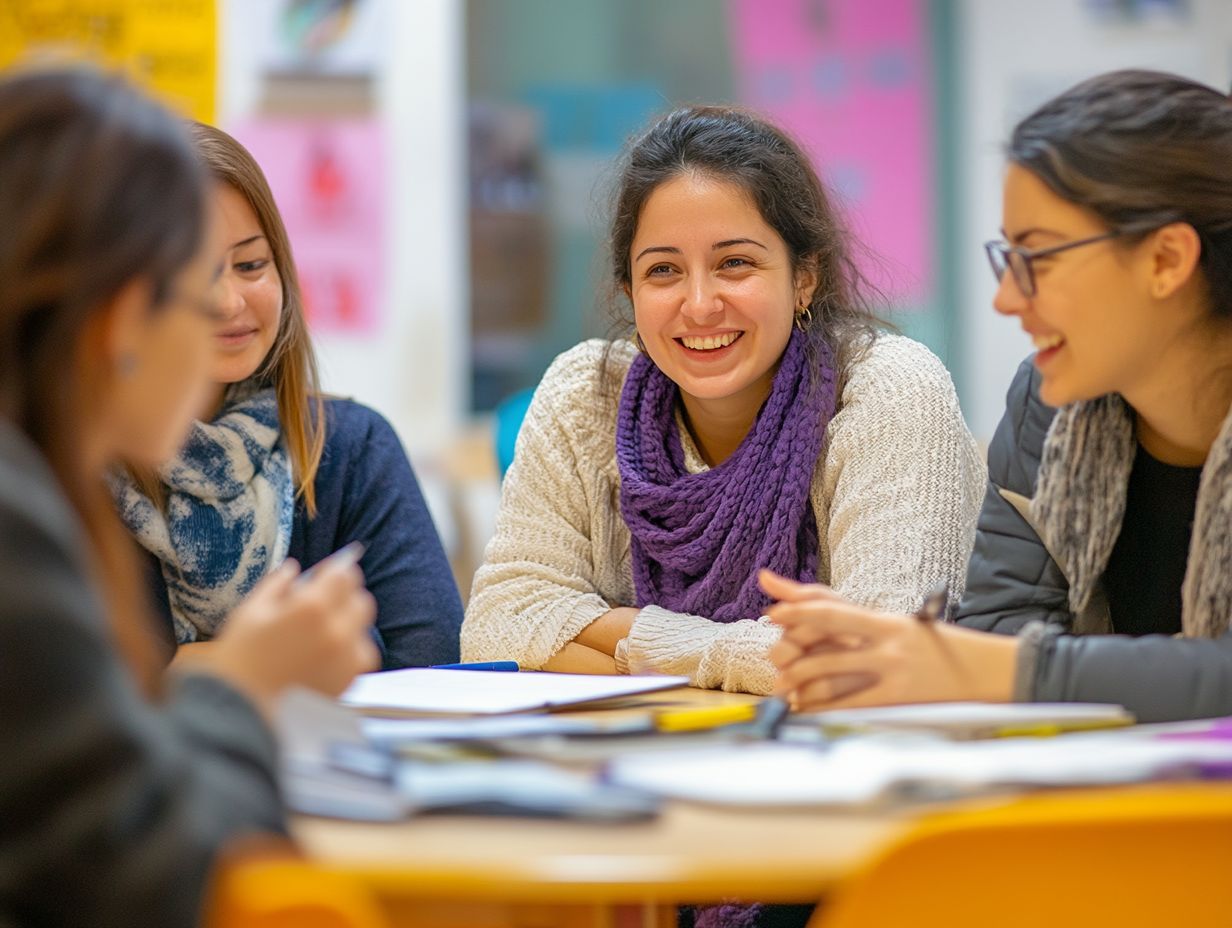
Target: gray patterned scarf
(1079, 506)
(227, 521)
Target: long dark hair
(100, 187)
(737, 146)
(1140, 150)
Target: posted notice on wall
(329, 179)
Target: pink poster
(852, 80)
(328, 177)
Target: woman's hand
(312, 632)
(835, 654)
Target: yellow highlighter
(705, 718)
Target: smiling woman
(273, 469)
(757, 418)
(1103, 554)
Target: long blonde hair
(290, 368)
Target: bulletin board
(167, 46)
(853, 81)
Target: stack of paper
(875, 769)
(429, 691)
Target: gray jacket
(111, 810)
(1014, 586)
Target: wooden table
(477, 871)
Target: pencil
(936, 605)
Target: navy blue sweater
(366, 491)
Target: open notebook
(430, 691)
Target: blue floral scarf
(228, 514)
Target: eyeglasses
(1018, 259)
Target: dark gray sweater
(1013, 582)
(111, 810)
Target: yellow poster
(168, 46)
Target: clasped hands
(835, 654)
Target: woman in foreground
(122, 784)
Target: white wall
(1014, 56)
(415, 368)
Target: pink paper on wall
(328, 178)
(852, 80)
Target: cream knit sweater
(896, 494)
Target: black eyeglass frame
(1001, 257)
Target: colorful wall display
(169, 47)
(852, 80)
(329, 179)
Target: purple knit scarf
(698, 540)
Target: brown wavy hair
(738, 146)
(101, 187)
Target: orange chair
(286, 892)
(1143, 856)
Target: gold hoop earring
(804, 317)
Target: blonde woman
(273, 469)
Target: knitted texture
(727, 915)
(227, 519)
(1080, 504)
(895, 495)
(698, 539)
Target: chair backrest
(1126, 857)
(289, 893)
(509, 415)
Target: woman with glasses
(1104, 550)
(272, 469)
(121, 784)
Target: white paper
(857, 771)
(385, 731)
(478, 692)
(309, 726)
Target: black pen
(936, 605)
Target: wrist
(989, 664)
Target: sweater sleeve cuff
(669, 642)
(1034, 641)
